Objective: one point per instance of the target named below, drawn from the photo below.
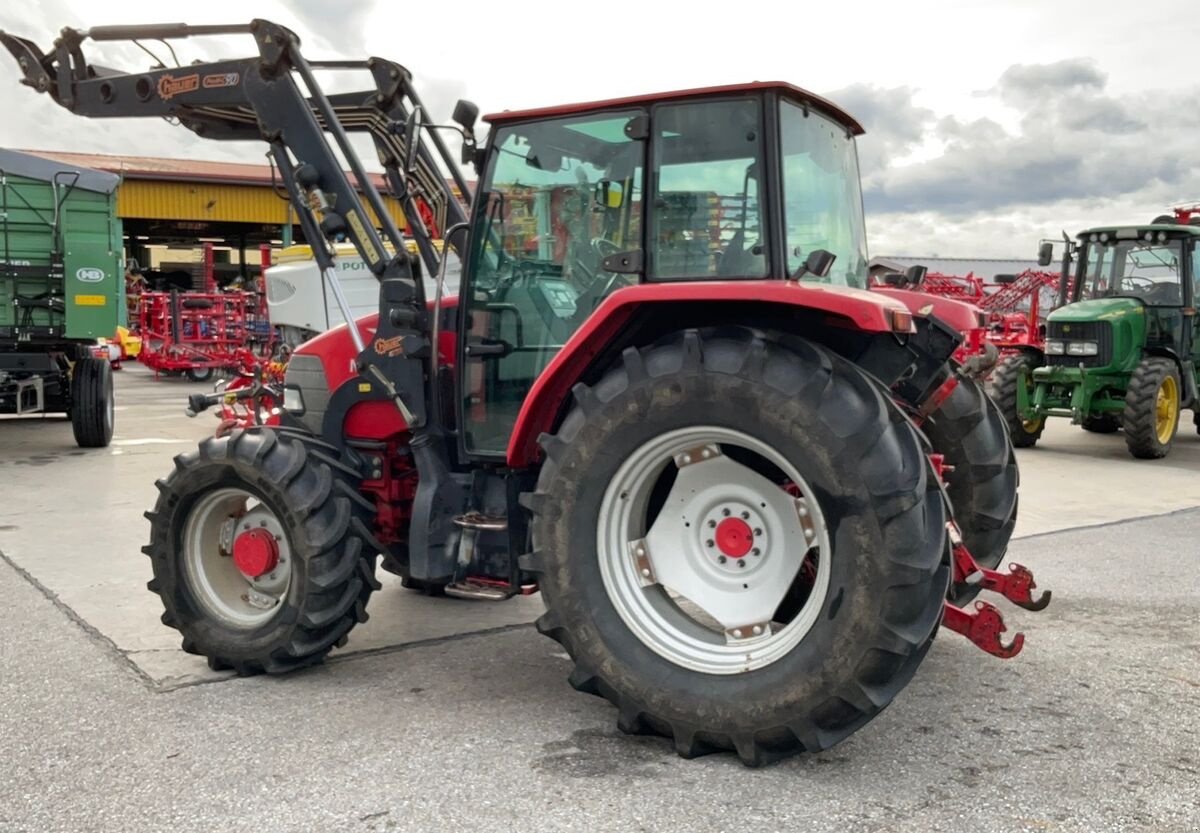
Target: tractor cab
(578, 202)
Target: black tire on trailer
(1104, 423)
(1164, 219)
(92, 405)
(199, 374)
(860, 632)
(1005, 378)
(296, 491)
(970, 432)
(1151, 415)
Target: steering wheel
(1137, 283)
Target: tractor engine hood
(1099, 309)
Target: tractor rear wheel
(969, 431)
(92, 406)
(1151, 415)
(1103, 423)
(259, 552)
(740, 545)
(1005, 380)
(199, 374)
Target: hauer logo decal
(390, 347)
(222, 79)
(169, 86)
(89, 274)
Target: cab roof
(800, 96)
(1130, 232)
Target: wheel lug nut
(741, 562)
(756, 551)
(725, 512)
(709, 542)
(809, 535)
(737, 633)
(757, 630)
(757, 531)
(720, 559)
(712, 524)
(745, 516)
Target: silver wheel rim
(676, 586)
(228, 595)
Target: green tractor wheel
(1005, 379)
(1151, 415)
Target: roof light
(1104, 237)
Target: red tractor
(745, 486)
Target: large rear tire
(92, 406)
(1151, 415)
(788, 433)
(969, 431)
(1005, 380)
(259, 552)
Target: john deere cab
(1121, 350)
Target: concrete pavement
(450, 715)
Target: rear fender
(960, 315)
(870, 313)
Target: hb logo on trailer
(89, 274)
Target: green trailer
(61, 289)
(1122, 352)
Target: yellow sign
(364, 387)
(90, 300)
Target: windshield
(1133, 268)
(822, 197)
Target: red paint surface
(857, 308)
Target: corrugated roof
(980, 267)
(180, 170)
(35, 166)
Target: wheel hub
(735, 537)
(255, 553)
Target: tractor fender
(961, 315)
(1186, 373)
(857, 309)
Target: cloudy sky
(989, 124)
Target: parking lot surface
(454, 715)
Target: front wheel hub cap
(255, 553)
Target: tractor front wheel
(1013, 371)
(1151, 415)
(740, 545)
(259, 552)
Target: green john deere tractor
(1121, 350)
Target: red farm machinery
(748, 490)
(199, 332)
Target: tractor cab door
(561, 222)
(557, 228)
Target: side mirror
(1004, 280)
(818, 263)
(915, 275)
(465, 114)
(1045, 254)
(412, 139)
(896, 279)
